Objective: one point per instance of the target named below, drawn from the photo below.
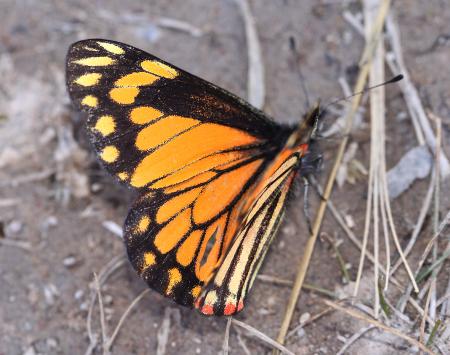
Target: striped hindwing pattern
(195, 152)
(225, 293)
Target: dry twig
(262, 336)
(359, 315)
(226, 339)
(255, 82)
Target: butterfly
(212, 172)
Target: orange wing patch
(203, 140)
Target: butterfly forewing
(139, 105)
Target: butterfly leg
(306, 204)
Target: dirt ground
(55, 199)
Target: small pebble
(96, 187)
(304, 317)
(301, 332)
(349, 221)
(78, 295)
(415, 164)
(107, 300)
(342, 338)
(264, 311)
(50, 293)
(52, 343)
(69, 261)
(30, 351)
(13, 227)
(51, 221)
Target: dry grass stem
(125, 314)
(27, 178)
(424, 132)
(102, 310)
(282, 282)
(255, 82)
(9, 202)
(437, 191)
(103, 276)
(337, 216)
(16, 243)
(177, 25)
(406, 296)
(226, 339)
(360, 83)
(163, 332)
(242, 343)
(354, 338)
(311, 320)
(419, 223)
(354, 22)
(255, 332)
(361, 316)
(423, 322)
(378, 205)
(340, 259)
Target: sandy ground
(54, 198)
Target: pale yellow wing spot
(211, 298)
(124, 96)
(123, 175)
(148, 260)
(88, 79)
(159, 69)
(90, 100)
(174, 278)
(90, 49)
(144, 114)
(143, 224)
(109, 154)
(111, 48)
(196, 291)
(95, 61)
(105, 125)
(136, 79)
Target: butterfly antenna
(390, 81)
(293, 47)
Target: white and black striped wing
(225, 292)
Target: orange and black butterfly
(212, 172)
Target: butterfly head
(307, 129)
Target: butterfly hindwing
(226, 291)
(177, 238)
